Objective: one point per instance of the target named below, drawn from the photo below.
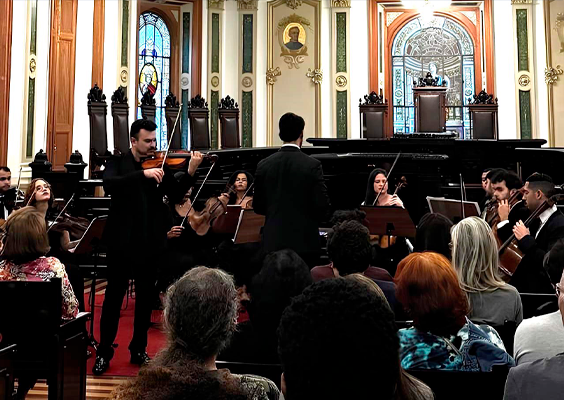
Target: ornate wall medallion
(293, 4)
(341, 81)
(247, 82)
(185, 81)
(524, 80)
(215, 81)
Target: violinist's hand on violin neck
(195, 161)
(154, 173)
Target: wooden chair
(373, 116)
(47, 347)
(198, 115)
(460, 385)
(97, 110)
(120, 116)
(7, 355)
(228, 112)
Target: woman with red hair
(442, 337)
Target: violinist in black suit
(291, 193)
(7, 194)
(511, 207)
(136, 234)
(539, 238)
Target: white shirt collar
(291, 144)
(547, 213)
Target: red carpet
(120, 366)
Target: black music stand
(389, 221)
(249, 227)
(228, 221)
(452, 209)
(90, 243)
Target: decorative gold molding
(271, 75)
(293, 4)
(32, 64)
(316, 75)
(216, 4)
(247, 4)
(551, 74)
(521, 2)
(340, 4)
(391, 17)
(559, 28)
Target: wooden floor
(97, 387)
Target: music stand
(389, 221)
(249, 227)
(90, 243)
(452, 209)
(227, 222)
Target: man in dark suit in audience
(536, 240)
(291, 193)
(540, 379)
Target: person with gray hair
(475, 259)
(200, 317)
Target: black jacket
(291, 193)
(530, 276)
(138, 217)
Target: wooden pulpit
(198, 115)
(229, 123)
(97, 110)
(483, 114)
(373, 115)
(430, 111)
(172, 107)
(120, 115)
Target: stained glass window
(444, 48)
(154, 67)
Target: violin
(173, 160)
(202, 221)
(509, 253)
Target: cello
(509, 253)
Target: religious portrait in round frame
(148, 80)
(294, 36)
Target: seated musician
(378, 184)
(241, 181)
(6, 204)
(25, 245)
(489, 209)
(40, 196)
(442, 337)
(539, 238)
(511, 208)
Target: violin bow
(18, 186)
(197, 194)
(171, 136)
(387, 178)
(462, 196)
(61, 213)
(246, 192)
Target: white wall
(540, 65)
(133, 60)
(360, 75)
(83, 78)
(230, 56)
(327, 67)
(505, 68)
(112, 37)
(260, 112)
(42, 74)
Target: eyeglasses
(558, 289)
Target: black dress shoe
(101, 365)
(139, 358)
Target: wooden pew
(47, 348)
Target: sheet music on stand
(452, 208)
(394, 221)
(249, 227)
(92, 237)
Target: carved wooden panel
(61, 81)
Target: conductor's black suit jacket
(291, 193)
(137, 225)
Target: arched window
(154, 67)
(443, 47)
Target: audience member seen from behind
(349, 249)
(475, 259)
(540, 379)
(442, 337)
(433, 234)
(283, 275)
(338, 340)
(25, 245)
(200, 316)
(542, 336)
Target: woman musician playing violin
(242, 183)
(378, 184)
(136, 233)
